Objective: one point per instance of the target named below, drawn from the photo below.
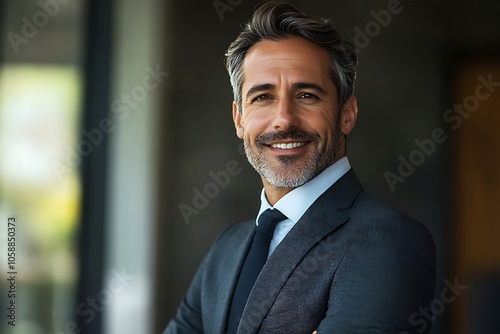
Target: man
(338, 261)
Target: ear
(348, 115)
(237, 120)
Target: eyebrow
(258, 88)
(308, 85)
(298, 85)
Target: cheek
(323, 125)
(254, 126)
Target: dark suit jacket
(351, 264)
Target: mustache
(294, 134)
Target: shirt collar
(296, 202)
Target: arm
(385, 283)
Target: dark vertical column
(3, 15)
(97, 63)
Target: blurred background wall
(115, 115)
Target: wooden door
(475, 166)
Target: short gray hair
(279, 20)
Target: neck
(273, 193)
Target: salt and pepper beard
(322, 158)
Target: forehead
(292, 58)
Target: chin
(290, 178)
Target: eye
(307, 96)
(261, 98)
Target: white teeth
(287, 146)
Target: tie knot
(268, 221)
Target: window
(40, 183)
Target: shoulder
(235, 231)
(231, 237)
(380, 231)
(371, 213)
(388, 263)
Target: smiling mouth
(288, 146)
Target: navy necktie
(256, 258)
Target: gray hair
(279, 20)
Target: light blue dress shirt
(296, 202)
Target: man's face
(290, 120)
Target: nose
(286, 116)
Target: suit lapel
(324, 216)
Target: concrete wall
(402, 91)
